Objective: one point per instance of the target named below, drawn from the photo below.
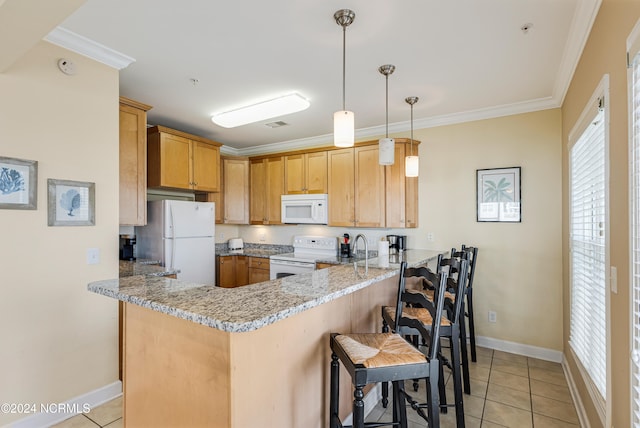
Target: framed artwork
(498, 195)
(18, 184)
(71, 203)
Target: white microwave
(305, 209)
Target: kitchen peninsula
(201, 355)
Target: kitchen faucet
(366, 253)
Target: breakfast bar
(201, 355)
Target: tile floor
(507, 390)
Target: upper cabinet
(133, 162)
(356, 187)
(401, 191)
(267, 186)
(235, 190)
(179, 160)
(306, 173)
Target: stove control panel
(315, 243)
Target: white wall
(519, 272)
(58, 339)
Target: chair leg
(385, 385)
(457, 381)
(358, 407)
(441, 388)
(433, 409)
(399, 406)
(472, 326)
(465, 356)
(334, 397)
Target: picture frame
(18, 184)
(498, 195)
(71, 203)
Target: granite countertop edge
(307, 291)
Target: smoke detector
(66, 66)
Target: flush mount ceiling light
(275, 107)
(343, 120)
(386, 146)
(411, 162)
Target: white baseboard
(582, 414)
(372, 398)
(520, 349)
(58, 412)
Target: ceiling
(464, 59)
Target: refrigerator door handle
(172, 226)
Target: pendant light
(411, 162)
(343, 120)
(386, 146)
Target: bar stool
(471, 255)
(387, 357)
(421, 321)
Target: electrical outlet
(430, 236)
(93, 256)
(263, 237)
(222, 236)
(492, 316)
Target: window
(588, 226)
(633, 50)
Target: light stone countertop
(144, 267)
(253, 306)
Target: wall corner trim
(573, 389)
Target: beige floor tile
(473, 406)
(555, 409)
(478, 388)
(554, 377)
(519, 383)
(119, 423)
(448, 420)
(541, 421)
(510, 367)
(479, 373)
(508, 416)
(107, 412)
(549, 390)
(482, 351)
(487, 424)
(482, 361)
(511, 397)
(543, 364)
(514, 358)
(78, 421)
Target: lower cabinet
(258, 269)
(238, 270)
(323, 265)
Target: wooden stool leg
(433, 409)
(358, 407)
(472, 326)
(457, 381)
(400, 409)
(441, 388)
(334, 396)
(465, 357)
(385, 385)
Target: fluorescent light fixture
(275, 107)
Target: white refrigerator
(181, 235)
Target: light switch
(93, 256)
(614, 280)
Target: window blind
(588, 252)
(634, 170)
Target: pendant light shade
(386, 146)
(411, 162)
(343, 120)
(343, 128)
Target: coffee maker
(127, 250)
(397, 243)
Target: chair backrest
(457, 267)
(471, 255)
(435, 307)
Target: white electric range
(306, 250)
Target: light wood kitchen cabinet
(267, 186)
(133, 162)
(259, 269)
(236, 190)
(178, 160)
(231, 271)
(306, 173)
(401, 191)
(324, 265)
(356, 188)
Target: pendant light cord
(387, 106)
(344, 65)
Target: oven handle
(290, 263)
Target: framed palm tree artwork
(498, 195)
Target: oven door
(282, 268)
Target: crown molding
(398, 127)
(74, 42)
(579, 31)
